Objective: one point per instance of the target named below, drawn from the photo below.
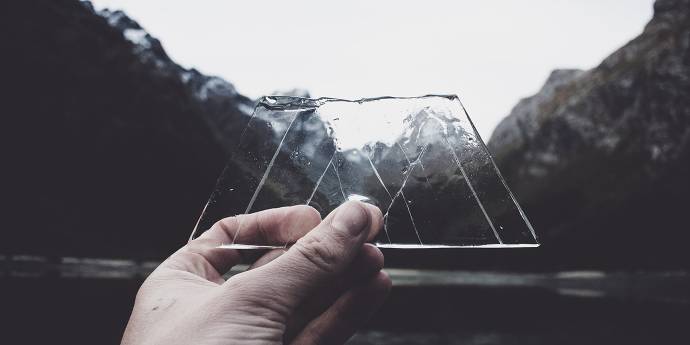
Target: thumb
(321, 256)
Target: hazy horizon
(491, 53)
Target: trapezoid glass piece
(420, 160)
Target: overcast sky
(491, 53)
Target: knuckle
(199, 244)
(227, 225)
(263, 231)
(317, 252)
(309, 214)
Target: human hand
(319, 291)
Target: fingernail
(352, 217)
(374, 208)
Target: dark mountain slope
(110, 147)
(600, 159)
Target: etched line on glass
(426, 176)
(417, 160)
(414, 226)
(411, 168)
(340, 183)
(498, 172)
(268, 170)
(244, 131)
(196, 227)
(313, 192)
(376, 172)
(398, 193)
(239, 228)
(419, 133)
(318, 182)
(474, 193)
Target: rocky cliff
(600, 159)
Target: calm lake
(87, 301)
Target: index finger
(275, 226)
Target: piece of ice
(420, 160)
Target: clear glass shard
(420, 160)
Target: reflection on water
(666, 286)
(88, 301)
